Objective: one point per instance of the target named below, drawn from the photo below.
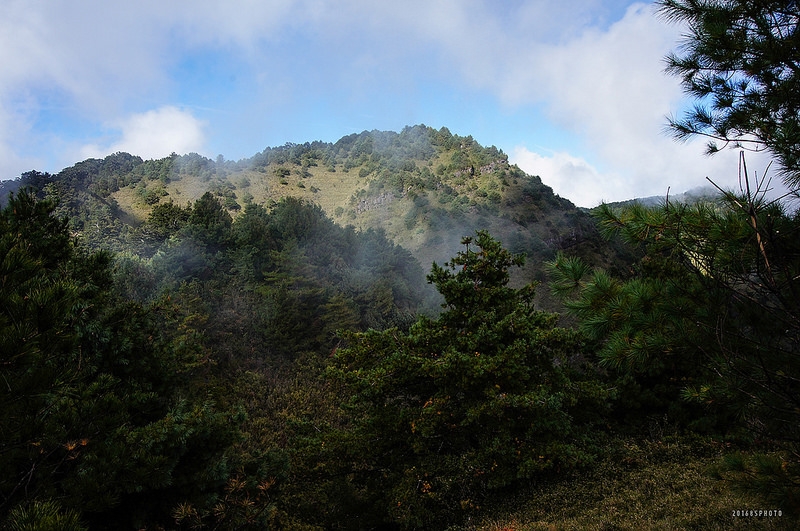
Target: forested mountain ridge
(424, 188)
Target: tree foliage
(98, 406)
(740, 62)
(715, 297)
(711, 311)
(490, 393)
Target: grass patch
(660, 485)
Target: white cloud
(606, 86)
(94, 52)
(154, 134)
(603, 83)
(587, 186)
(569, 176)
(12, 164)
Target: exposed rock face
(371, 203)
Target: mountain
(700, 193)
(424, 188)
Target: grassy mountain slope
(425, 188)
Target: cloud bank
(154, 134)
(567, 175)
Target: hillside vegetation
(425, 189)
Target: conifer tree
(719, 285)
(715, 298)
(740, 62)
(98, 411)
(487, 394)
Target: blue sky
(573, 91)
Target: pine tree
(715, 298)
(484, 396)
(98, 411)
(739, 61)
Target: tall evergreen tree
(719, 282)
(715, 298)
(489, 393)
